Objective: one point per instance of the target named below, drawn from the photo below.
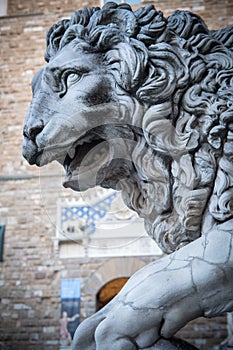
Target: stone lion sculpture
(143, 104)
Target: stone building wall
(31, 271)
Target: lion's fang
(71, 153)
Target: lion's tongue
(81, 171)
(80, 156)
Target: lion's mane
(174, 77)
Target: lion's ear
(167, 74)
(129, 61)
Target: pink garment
(63, 328)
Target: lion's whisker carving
(143, 104)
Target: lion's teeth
(80, 143)
(71, 153)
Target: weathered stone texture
(30, 274)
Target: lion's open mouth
(88, 158)
(83, 161)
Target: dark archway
(109, 291)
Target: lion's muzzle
(30, 149)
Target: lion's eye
(67, 79)
(72, 78)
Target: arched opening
(109, 291)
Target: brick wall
(217, 14)
(22, 7)
(31, 272)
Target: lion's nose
(32, 131)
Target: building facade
(51, 236)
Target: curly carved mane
(174, 77)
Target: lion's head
(143, 104)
